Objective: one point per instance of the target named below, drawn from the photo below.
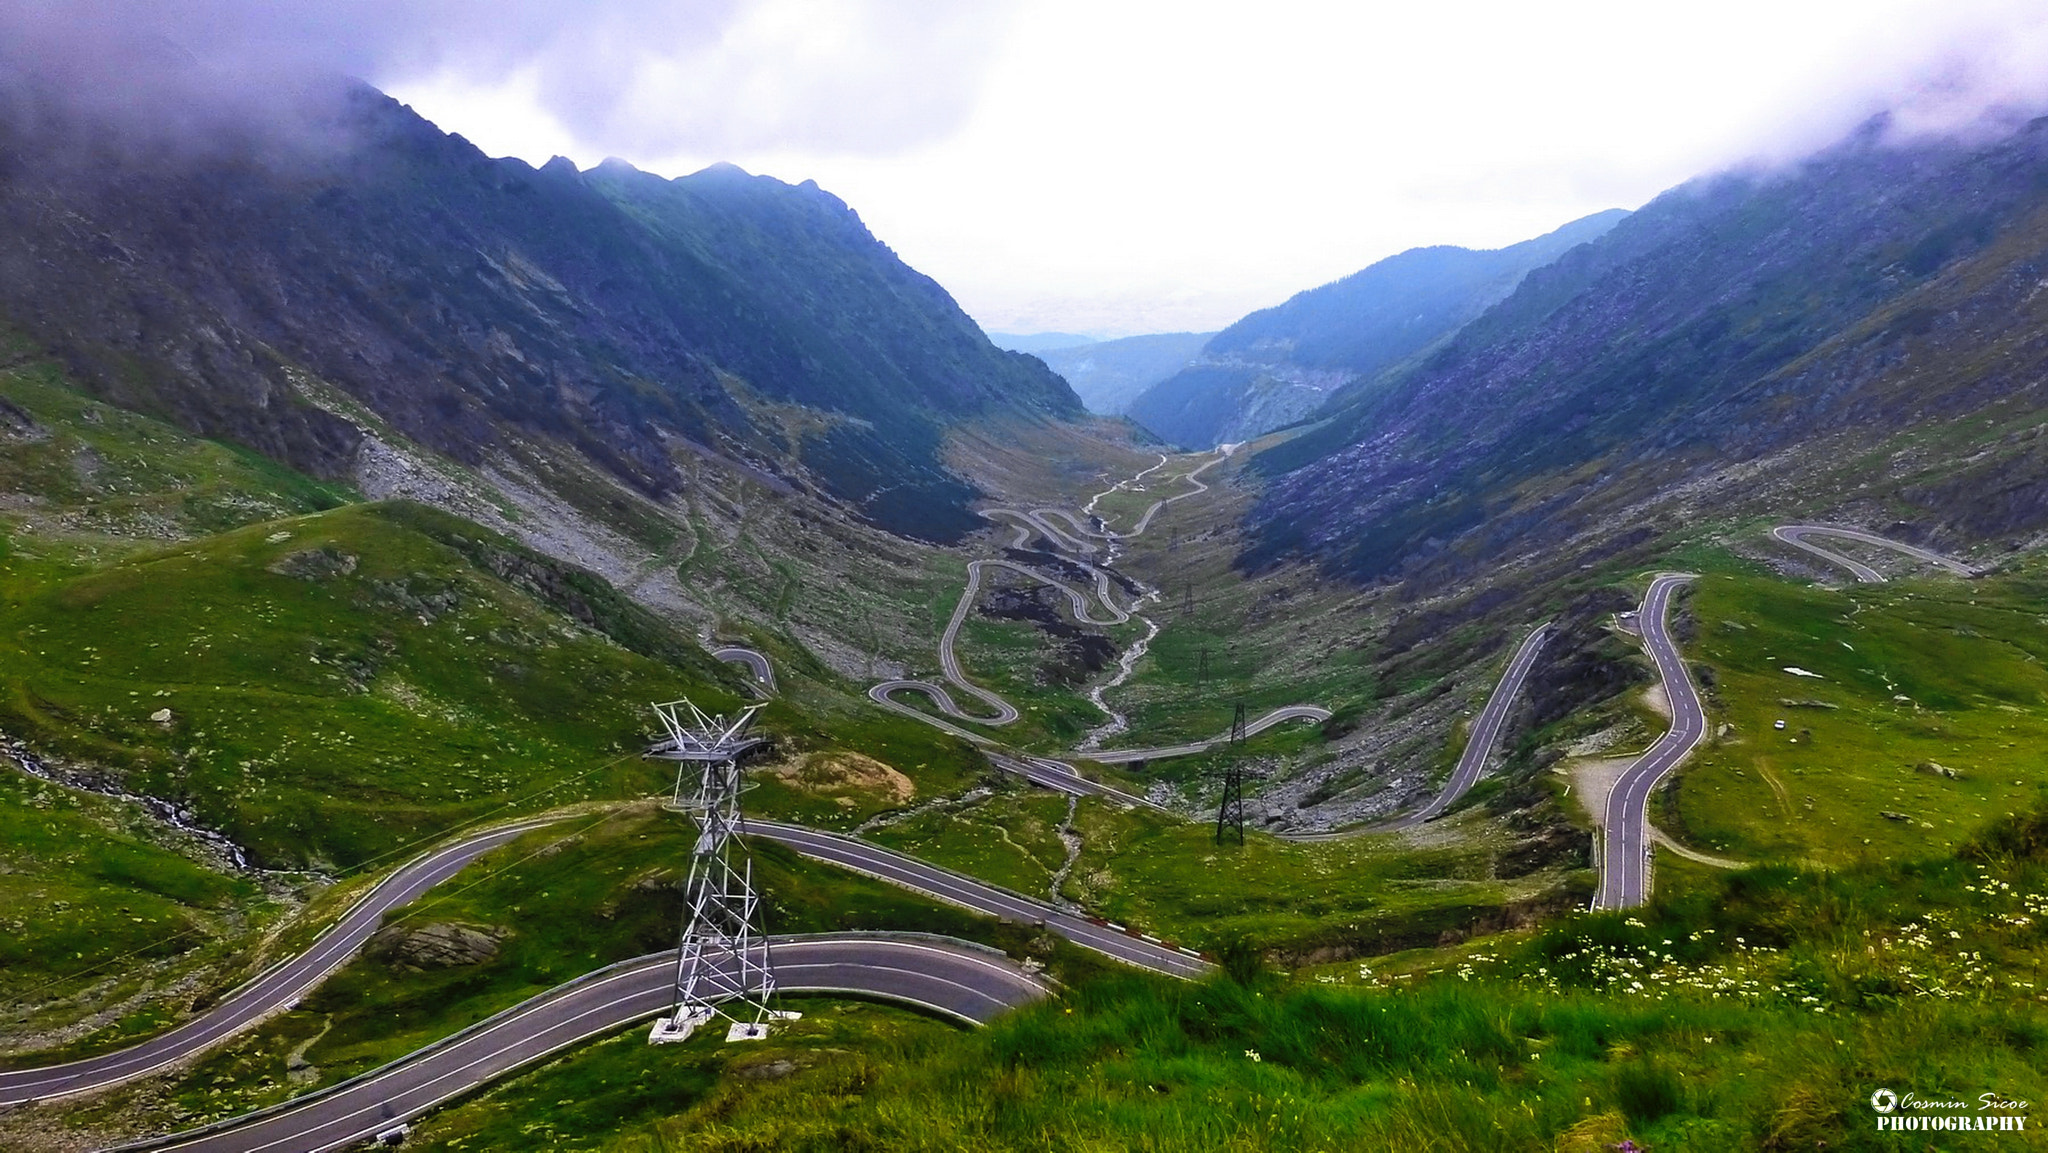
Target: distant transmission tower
(1230, 813)
(722, 963)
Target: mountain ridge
(1716, 332)
(461, 298)
(1279, 364)
(1109, 374)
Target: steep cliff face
(464, 300)
(1280, 364)
(1735, 345)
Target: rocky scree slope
(1279, 364)
(467, 301)
(1857, 336)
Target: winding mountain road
(1278, 716)
(1796, 534)
(1624, 819)
(953, 978)
(1485, 733)
(1038, 522)
(764, 673)
(1625, 836)
(1193, 478)
(1062, 777)
(1054, 774)
(1076, 538)
(271, 991)
(980, 897)
(949, 661)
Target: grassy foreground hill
(327, 683)
(1758, 1011)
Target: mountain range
(1854, 336)
(1108, 375)
(1037, 342)
(1280, 364)
(476, 305)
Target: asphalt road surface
(968, 893)
(883, 695)
(953, 978)
(1796, 534)
(1485, 733)
(1278, 716)
(1075, 539)
(764, 673)
(1624, 833)
(275, 989)
(1062, 777)
(1193, 478)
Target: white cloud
(1133, 165)
(1138, 167)
(821, 77)
(635, 77)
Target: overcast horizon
(1131, 168)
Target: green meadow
(602, 885)
(1922, 721)
(1758, 1011)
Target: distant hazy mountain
(1108, 375)
(1279, 364)
(477, 304)
(1857, 336)
(1036, 342)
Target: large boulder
(443, 945)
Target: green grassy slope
(340, 682)
(85, 878)
(1758, 1012)
(1929, 703)
(600, 887)
(337, 683)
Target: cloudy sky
(1124, 166)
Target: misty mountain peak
(723, 170)
(472, 303)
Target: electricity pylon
(723, 967)
(1230, 813)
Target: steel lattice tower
(722, 963)
(1230, 812)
